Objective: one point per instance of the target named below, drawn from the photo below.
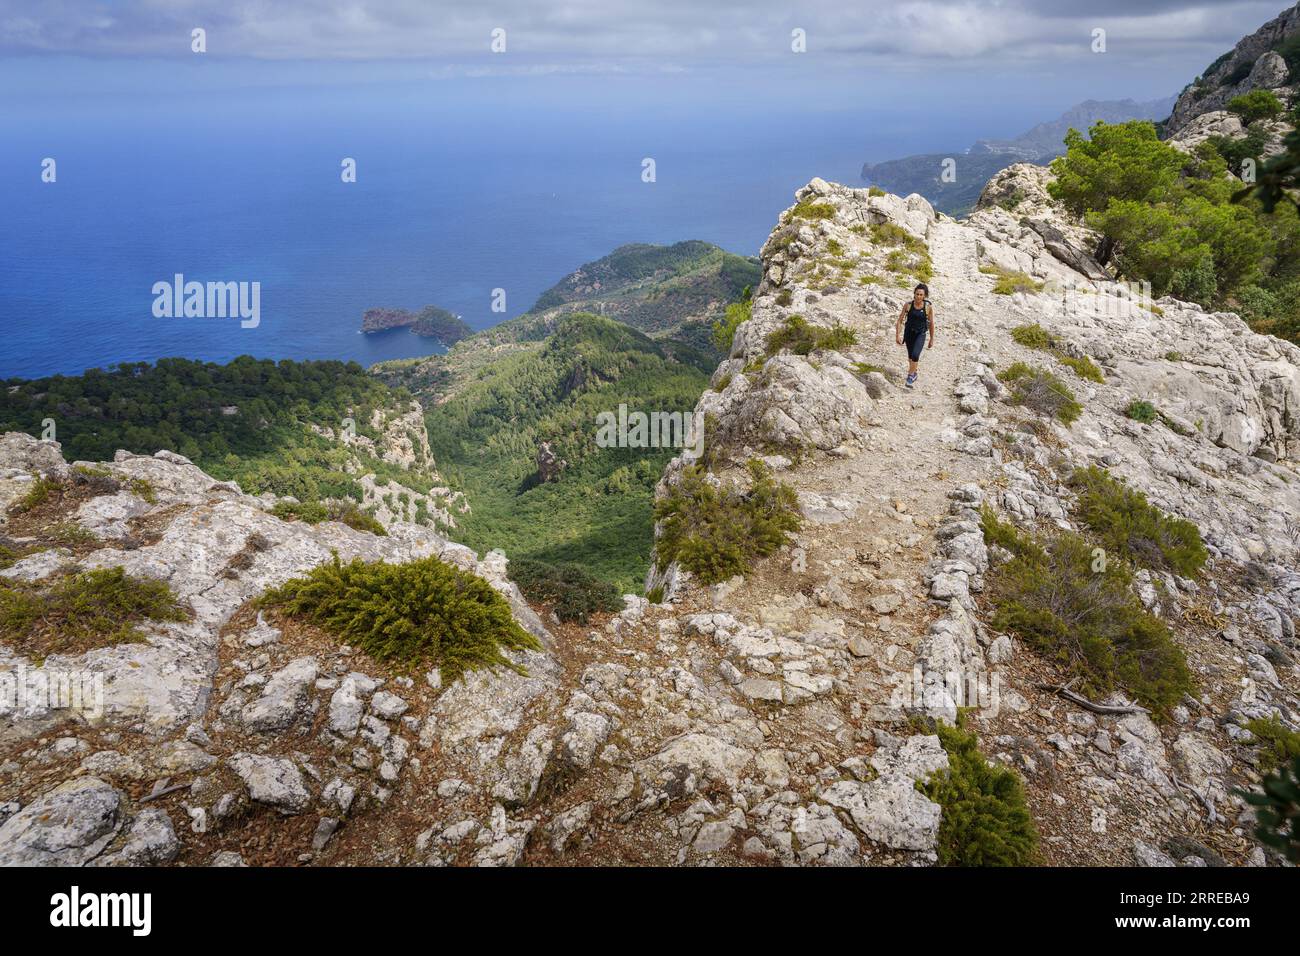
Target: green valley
(544, 376)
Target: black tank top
(917, 318)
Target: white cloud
(575, 32)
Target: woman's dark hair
(924, 288)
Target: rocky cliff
(1256, 62)
(777, 717)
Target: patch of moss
(985, 821)
(1125, 523)
(420, 614)
(79, 612)
(784, 297)
(716, 532)
(572, 593)
(1079, 611)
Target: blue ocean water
(449, 204)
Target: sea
(448, 206)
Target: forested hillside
(654, 288)
(598, 513)
(247, 421)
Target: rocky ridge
(764, 720)
(1251, 64)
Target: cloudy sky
(1027, 59)
(578, 32)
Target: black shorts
(914, 339)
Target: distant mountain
(987, 157)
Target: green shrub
(1141, 411)
(1083, 367)
(803, 339)
(875, 191)
(1009, 281)
(784, 297)
(1255, 105)
(1235, 150)
(1081, 613)
(10, 553)
(38, 494)
(813, 210)
(1180, 221)
(1277, 744)
(913, 256)
(314, 512)
(985, 820)
(1124, 522)
(71, 534)
(716, 532)
(1003, 533)
(419, 614)
(724, 330)
(308, 512)
(1040, 391)
(1034, 336)
(1277, 810)
(572, 593)
(352, 516)
(82, 611)
(143, 488)
(892, 234)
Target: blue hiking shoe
(911, 379)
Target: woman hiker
(915, 322)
